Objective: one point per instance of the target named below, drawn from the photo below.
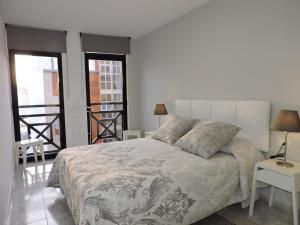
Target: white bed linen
(148, 182)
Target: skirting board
(9, 207)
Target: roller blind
(105, 44)
(35, 39)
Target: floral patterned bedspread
(147, 182)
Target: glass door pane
(105, 97)
(38, 96)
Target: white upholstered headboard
(251, 115)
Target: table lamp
(286, 121)
(160, 109)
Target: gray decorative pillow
(207, 138)
(173, 129)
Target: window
(37, 98)
(106, 94)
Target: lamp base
(285, 164)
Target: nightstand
(149, 133)
(287, 179)
(132, 134)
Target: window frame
(15, 101)
(109, 57)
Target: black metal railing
(46, 132)
(106, 125)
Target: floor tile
(41, 222)
(21, 184)
(235, 217)
(61, 221)
(263, 214)
(31, 196)
(33, 176)
(27, 214)
(50, 193)
(57, 208)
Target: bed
(148, 182)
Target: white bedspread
(148, 182)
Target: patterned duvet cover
(148, 182)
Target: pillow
(207, 138)
(173, 129)
(237, 143)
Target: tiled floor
(263, 215)
(34, 204)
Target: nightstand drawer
(274, 179)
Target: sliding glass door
(106, 96)
(37, 98)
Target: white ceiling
(111, 17)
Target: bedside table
(287, 179)
(132, 134)
(149, 133)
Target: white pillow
(237, 143)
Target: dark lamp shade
(287, 120)
(160, 109)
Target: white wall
(6, 130)
(133, 97)
(74, 92)
(226, 49)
